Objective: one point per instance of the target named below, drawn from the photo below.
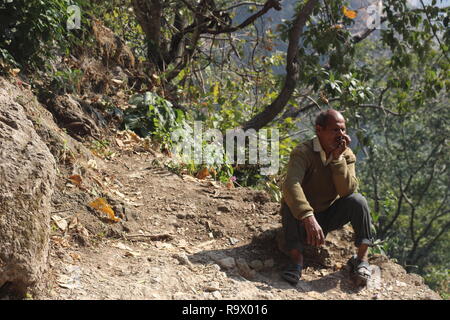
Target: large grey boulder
(27, 176)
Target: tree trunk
(148, 14)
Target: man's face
(332, 133)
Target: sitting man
(319, 197)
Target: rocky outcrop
(70, 115)
(27, 176)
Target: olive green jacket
(312, 183)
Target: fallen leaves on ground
(203, 173)
(60, 222)
(76, 180)
(102, 205)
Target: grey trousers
(353, 209)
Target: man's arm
(292, 190)
(344, 175)
(296, 200)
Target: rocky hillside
(83, 221)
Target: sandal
(292, 273)
(361, 270)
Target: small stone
(244, 269)
(213, 286)
(256, 264)
(180, 296)
(217, 295)
(215, 267)
(269, 263)
(338, 266)
(224, 209)
(400, 284)
(227, 263)
(233, 241)
(182, 259)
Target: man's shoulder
(305, 147)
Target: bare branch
(267, 6)
(271, 111)
(378, 107)
(244, 4)
(426, 250)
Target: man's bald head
(324, 117)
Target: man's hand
(314, 233)
(341, 144)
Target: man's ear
(319, 128)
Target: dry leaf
(132, 254)
(92, 164)
(75, 256)
(120, 143)
(60, 222)
(337, 26)
(134, 136)
(73, 223)
(117, 81)
(349, 13)
(202, 174)
(14, 72)
(76, 180)
(230, 185)
(213, 184)
(101, 205)
(60, 241)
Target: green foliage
(101, 148)
(273, 188)
(438, 278)
(153, 116)
(29, 29)
(67, 81)
(118, 16)
(404, 168)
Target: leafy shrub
(437, 278)
(153, 116)
(32, 30)
(67, 80)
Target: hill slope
(175, 237)
(184, 238)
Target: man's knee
(356, 199)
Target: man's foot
(292, 273)
(360, 269)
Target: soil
(184, 238)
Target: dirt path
(183, 238)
